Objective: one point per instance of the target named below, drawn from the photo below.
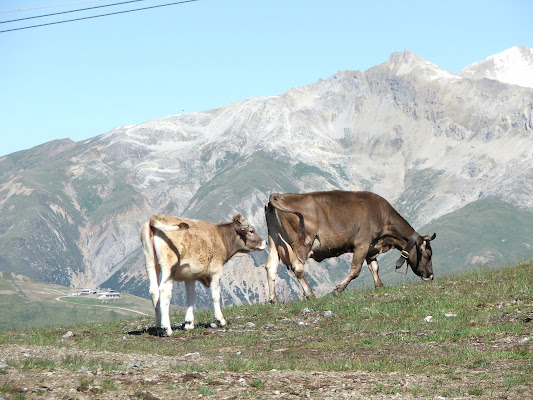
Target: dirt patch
(80, 374)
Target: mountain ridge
(429, 141)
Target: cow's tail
(161, 222)
(274, 201)
(150, 257)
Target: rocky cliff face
(429, 141)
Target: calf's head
(420, 260)
(248, 240)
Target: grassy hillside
(467, 335)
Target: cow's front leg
(373, 266)
(271, 267)
(215, 294)
(190, 291)
(299, 271)
(357, 262)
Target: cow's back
(334, 220)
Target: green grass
(373, 331)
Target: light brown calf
(186, 250)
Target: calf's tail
(162, 223)
(150, 257)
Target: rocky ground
(151, 377)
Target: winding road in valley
(60, 299)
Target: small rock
(350, 325)
(307, 310)
(429, 318)
(250, 325)
(328, 313)
(3, 364)
(383, 334)
(194, 355)
(212, 325)
(450, 315)
(301, 323)
(67, 335)
(269, 326)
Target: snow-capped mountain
(453, 154)
(513, 66)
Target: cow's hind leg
(355, 270)
(215, 294)
(373, 266)
(190, 290)
(299, 271)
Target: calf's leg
(165, 294)
(271, 267)
(190, 290)
(215, 294)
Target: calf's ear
(432, 237)
(237, 218)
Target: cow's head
(420, 260)
(248, 239)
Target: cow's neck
(401, 231)
(229, 238)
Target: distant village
(102, 295)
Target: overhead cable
(70, 11)
(98, 16)
(51, 6)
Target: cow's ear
(237, 218)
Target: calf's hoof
(337, 291)
(188, 325)
(221, 322)
(164, 332)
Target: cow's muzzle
(428, 279)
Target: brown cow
(321, 225)
(179, 249)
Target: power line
(70, 11)
(51, 6)
(98, 16)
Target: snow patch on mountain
(513, 66)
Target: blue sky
(81, 79)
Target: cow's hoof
(221, 322)
(188, 326)
(336, 291)
(164, 332)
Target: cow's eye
(251, 231)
